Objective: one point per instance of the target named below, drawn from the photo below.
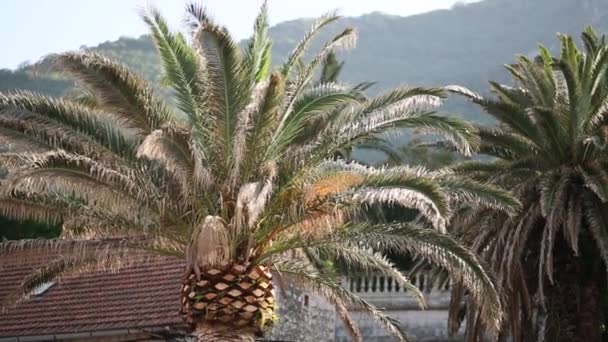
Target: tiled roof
(142, 295)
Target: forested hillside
(466, 44)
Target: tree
(549, 148)
(231, 180)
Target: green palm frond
(226, 87)
(510, 114)
(297, 53)
(548, 150)
(181, 66)
(394, 122)
(345, 39)
(331, 69)
(424, 98)
(477, 194)
(258, 51)
(504, 145)
(263, 123)
(115, 87)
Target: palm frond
(254, 176)
(263, 123)
(334, 292)
(476, 194)
(365, 260)
(58, 173)
(196, 14)
(258, 51)
(422, 99)
(331, 69)
(116, 88)
(226, 86)
(95, 126)
(443, 251)
(23, 210)
(243, 129)
(394, 122)
(344, 39)
(507, 113)
(181, 66)
(297, 53)
(309, 109)
(170, 147)
(103, 256)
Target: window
(42, 288)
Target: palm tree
(231, 180)
(549, 148)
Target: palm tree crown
(231, 176)
(549, 148)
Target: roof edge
(87, 334)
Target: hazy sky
(30, 29)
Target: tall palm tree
(231, 180)
(549, 148)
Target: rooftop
(143, 295)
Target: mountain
(467, 44)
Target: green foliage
(416, 153)
(465, 45)
(25, 79)
(16, 230)
(549, 149)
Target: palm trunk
(230, 304)
(562, 297)
(562, 304)
(220, 333)
(589, 315)
(591, 286)
(573, 306)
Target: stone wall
(424, 326)
(304, 317)
(428, 325)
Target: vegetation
(465, 45)
(244, 166)
(16, 230)
(232, 180)
(550, 149)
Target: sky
(30, 29)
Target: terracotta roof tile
(141, 295)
